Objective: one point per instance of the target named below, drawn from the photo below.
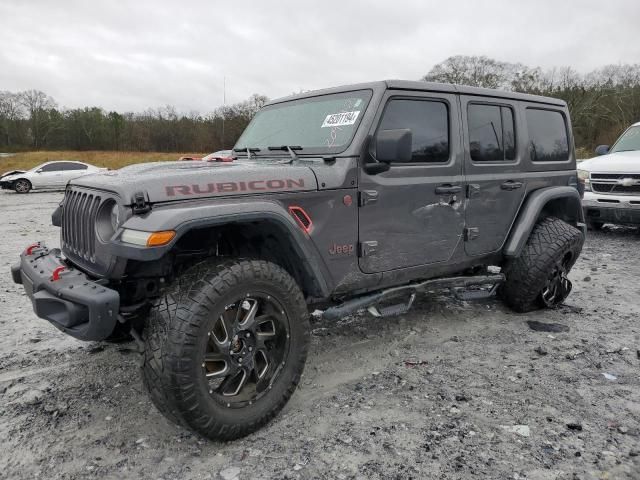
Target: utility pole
(224, 104)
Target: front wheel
(22, 185)
(537, 278)
(226, 347)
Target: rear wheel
(538, 277)
(226, 347)
(22, 185)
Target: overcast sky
(131, 55)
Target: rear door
(493, 168)
(72, 170)
(413, 214)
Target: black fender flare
(533, 207)
(185, 217)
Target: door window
(548, 139)
(491, 133)
(429, 124)
(52, 167)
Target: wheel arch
(262, 230)
(560, 202)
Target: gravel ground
(451, 390)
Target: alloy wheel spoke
(216, 365)
(247, 314)
(233, 384)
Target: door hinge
(473, 190)
(471, 233)
(366, 249)
(140, 204)
(367, 197)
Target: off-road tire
(175, 337)
(550, 241)
(22, 185)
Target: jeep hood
(167, 181)
(621, 162)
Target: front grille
(614, 183)
(79, 211)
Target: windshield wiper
(248, 151)
(288, 148)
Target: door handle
(447, 189)
(511, 185)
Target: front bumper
(618, 209)
(6, 185)
(64, 296)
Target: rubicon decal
(231, 187)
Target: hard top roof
(410, 85)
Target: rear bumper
(66, 297)
(619, 209)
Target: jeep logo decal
(346, 249)
(230, 187)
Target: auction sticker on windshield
(340, 119)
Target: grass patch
(113, 160)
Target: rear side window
(491, 133)
(73, 166)
(429, 124)
(548, 139)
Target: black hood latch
(140, 203)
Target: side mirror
(602, 149)
(394, 145)
(39, 171)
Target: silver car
(48, 176)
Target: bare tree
(38, 104)
(10, 112)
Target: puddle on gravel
(547, 327)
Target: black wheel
(22, 185)
(591, 225)
(538, 277)
(226, 346)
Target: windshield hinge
(140, 203)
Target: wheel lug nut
(240, 360)
(251, 349)
(247, 335)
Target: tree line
(602, 103)
(31, 120)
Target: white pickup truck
(611, 182)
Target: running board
(353, 305)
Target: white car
(48, 176)
(611, 182)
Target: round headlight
(107, 220)
(115, 217)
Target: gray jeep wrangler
(341, 199)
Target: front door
(493, 170)
(413, 214)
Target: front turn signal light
(157, 239)
(147, 239)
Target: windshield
(629, 141)
(318, 124)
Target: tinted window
(491, 133)
(429, 124)
(73, 166)
(548, 139)
(52, 167)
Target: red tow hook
(31, 248)
(55, 275)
